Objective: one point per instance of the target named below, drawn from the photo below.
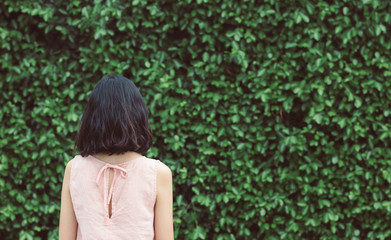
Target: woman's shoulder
(76, 158)
(159, 164)
(163, 169)
(71, 162)
(76, 162)
(163, 172)
(69, 166)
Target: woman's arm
(164, 228)
(68, 223)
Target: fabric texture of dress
(132, 194)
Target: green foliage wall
(274, 116)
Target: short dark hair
(115, 119)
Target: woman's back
(117, 207)
(110, 191)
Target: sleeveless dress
(132, 192)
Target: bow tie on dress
(105, 171)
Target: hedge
(274, 116)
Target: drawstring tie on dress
(105, 171)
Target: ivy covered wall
(274, 116)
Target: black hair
(115, 119)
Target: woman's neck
(117, 158)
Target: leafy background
(274, 116)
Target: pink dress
(133, 193)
